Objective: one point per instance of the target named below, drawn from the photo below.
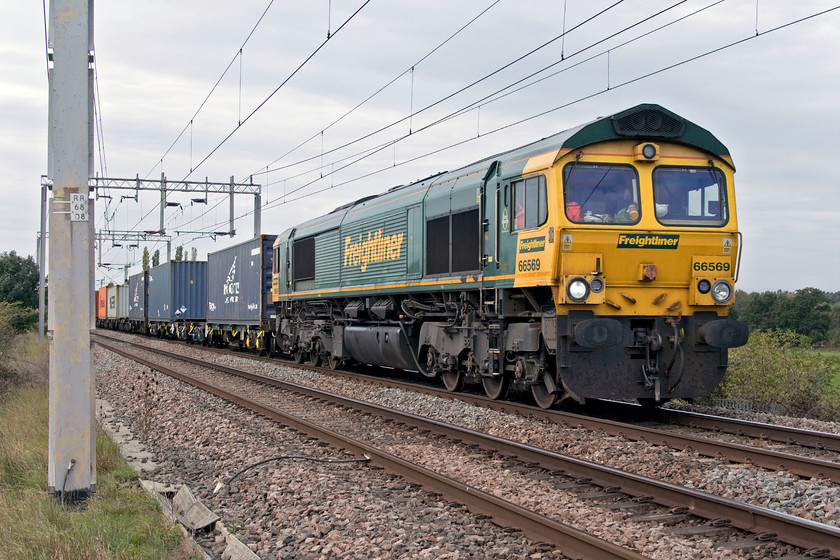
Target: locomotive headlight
(577, 290)
(722, 291)
(703, 286)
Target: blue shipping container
(178, 291)
(137, 297)
(239, 283)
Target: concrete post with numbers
(72, 433)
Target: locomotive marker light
(647, 151)
(704, 286)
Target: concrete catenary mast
(72, 430)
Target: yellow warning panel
(567, 241)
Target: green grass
(120, 521)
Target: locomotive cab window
(690, 196)
(601, 193)
(529, 203)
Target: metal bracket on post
(231, 231)
(162, 201)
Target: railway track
(797, 457)
(799, 444)
(624, 490)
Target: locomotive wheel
(315, 357)
(272, 347)
(452, 380)
(543, 398)
(334, 362)
(495, 387)
(299, 355)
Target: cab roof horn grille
(650, 121)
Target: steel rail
(571, 542)
(774, 432)
(771, 459)
(809, 467)
(789, 529)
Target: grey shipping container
(137, 297)
(239, 283)
(178, 291)
(117, 302)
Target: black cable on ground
(303, 457)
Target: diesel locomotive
(596, 263)
(599, 262)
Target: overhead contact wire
(470, 106)
(213, 89)
(274, 202)
(273, 93)
(459, 91)
(380, 90)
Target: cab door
(281, 276)
(494, 219)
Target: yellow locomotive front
(646, 261)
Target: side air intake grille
(648, 122)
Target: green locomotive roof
(643, 122)
(647, 121)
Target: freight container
(101, 306)
(137, 303)
(137, 292)
(177, 292)
(239, 283)
(117, 303)
(239, 303)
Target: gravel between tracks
(818, 500)
(291, 508)
(296, 509)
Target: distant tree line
(154, 260)
(812, 314)
(18, 294)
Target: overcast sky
(773, 100)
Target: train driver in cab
(601, 194)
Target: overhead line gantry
(205, 188)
